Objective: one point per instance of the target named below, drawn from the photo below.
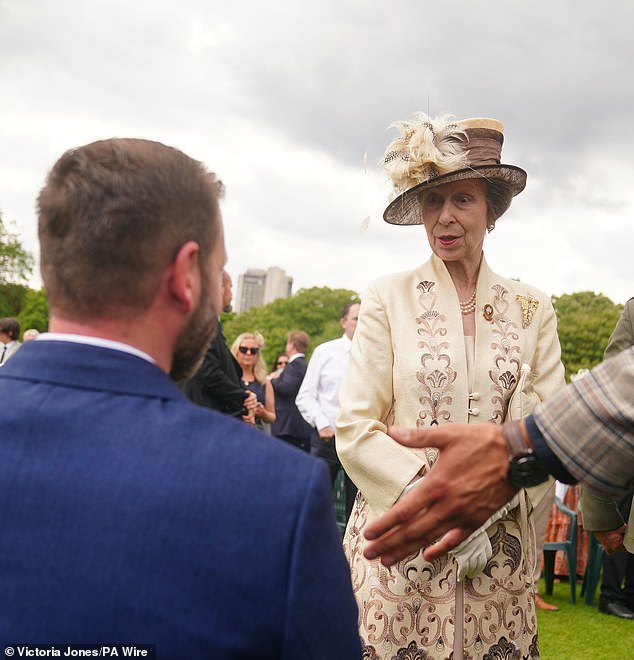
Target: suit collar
(91, 367)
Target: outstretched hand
(466, 485)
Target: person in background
(9, 333)
(129, 515)
(446, 343)
(247, 349)
(606, 518)
(217, 383)
(318, 396)
(281, 360)
(30, 334)
(289, 425)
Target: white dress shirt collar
(94, 341)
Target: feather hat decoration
(425, 149)
(430, 152)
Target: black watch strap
(525, 470)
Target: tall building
(258, 287)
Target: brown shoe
(541, 604)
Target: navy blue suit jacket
(288, 420)
(129, 515)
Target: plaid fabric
(589, 426)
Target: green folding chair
(569, 546)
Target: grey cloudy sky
(284, 98)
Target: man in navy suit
(289, 425)
(129, 515)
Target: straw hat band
(484, 146)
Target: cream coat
(408, 366)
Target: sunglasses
(281, 363)
(245, 349)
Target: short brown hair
(112, 215)
(299, 339)
(10, 326)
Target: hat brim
(406, 208)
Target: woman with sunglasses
(281, 360)
(247, 349)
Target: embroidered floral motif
(503, 650)
(506, 547)
(426, 286)
(436, 377)
(529, 305)
(506, 357)
(533, 649)
(412, 652)
(369, 653)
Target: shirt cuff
(545, 455)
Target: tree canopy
(34, 312)
(585, 322)
(16, 263)
(16, 266)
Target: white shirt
(318, 396)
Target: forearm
(589, 427)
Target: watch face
(526, 472)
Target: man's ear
(184, 282)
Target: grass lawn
(581, 632)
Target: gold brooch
(487, 312)
(529, 305)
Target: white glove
(472, 554)
(475, 551)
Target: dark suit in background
(289, 425)
(217, 383)
(131, 516)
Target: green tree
(11, 298)
(16, 263)
(585, 321)
(34, 313)
(315, 310)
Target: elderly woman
(450, 341)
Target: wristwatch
(525, 470)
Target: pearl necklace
(469, 305)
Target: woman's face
(248, 353)
(455, 217)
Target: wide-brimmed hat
(430, 152)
